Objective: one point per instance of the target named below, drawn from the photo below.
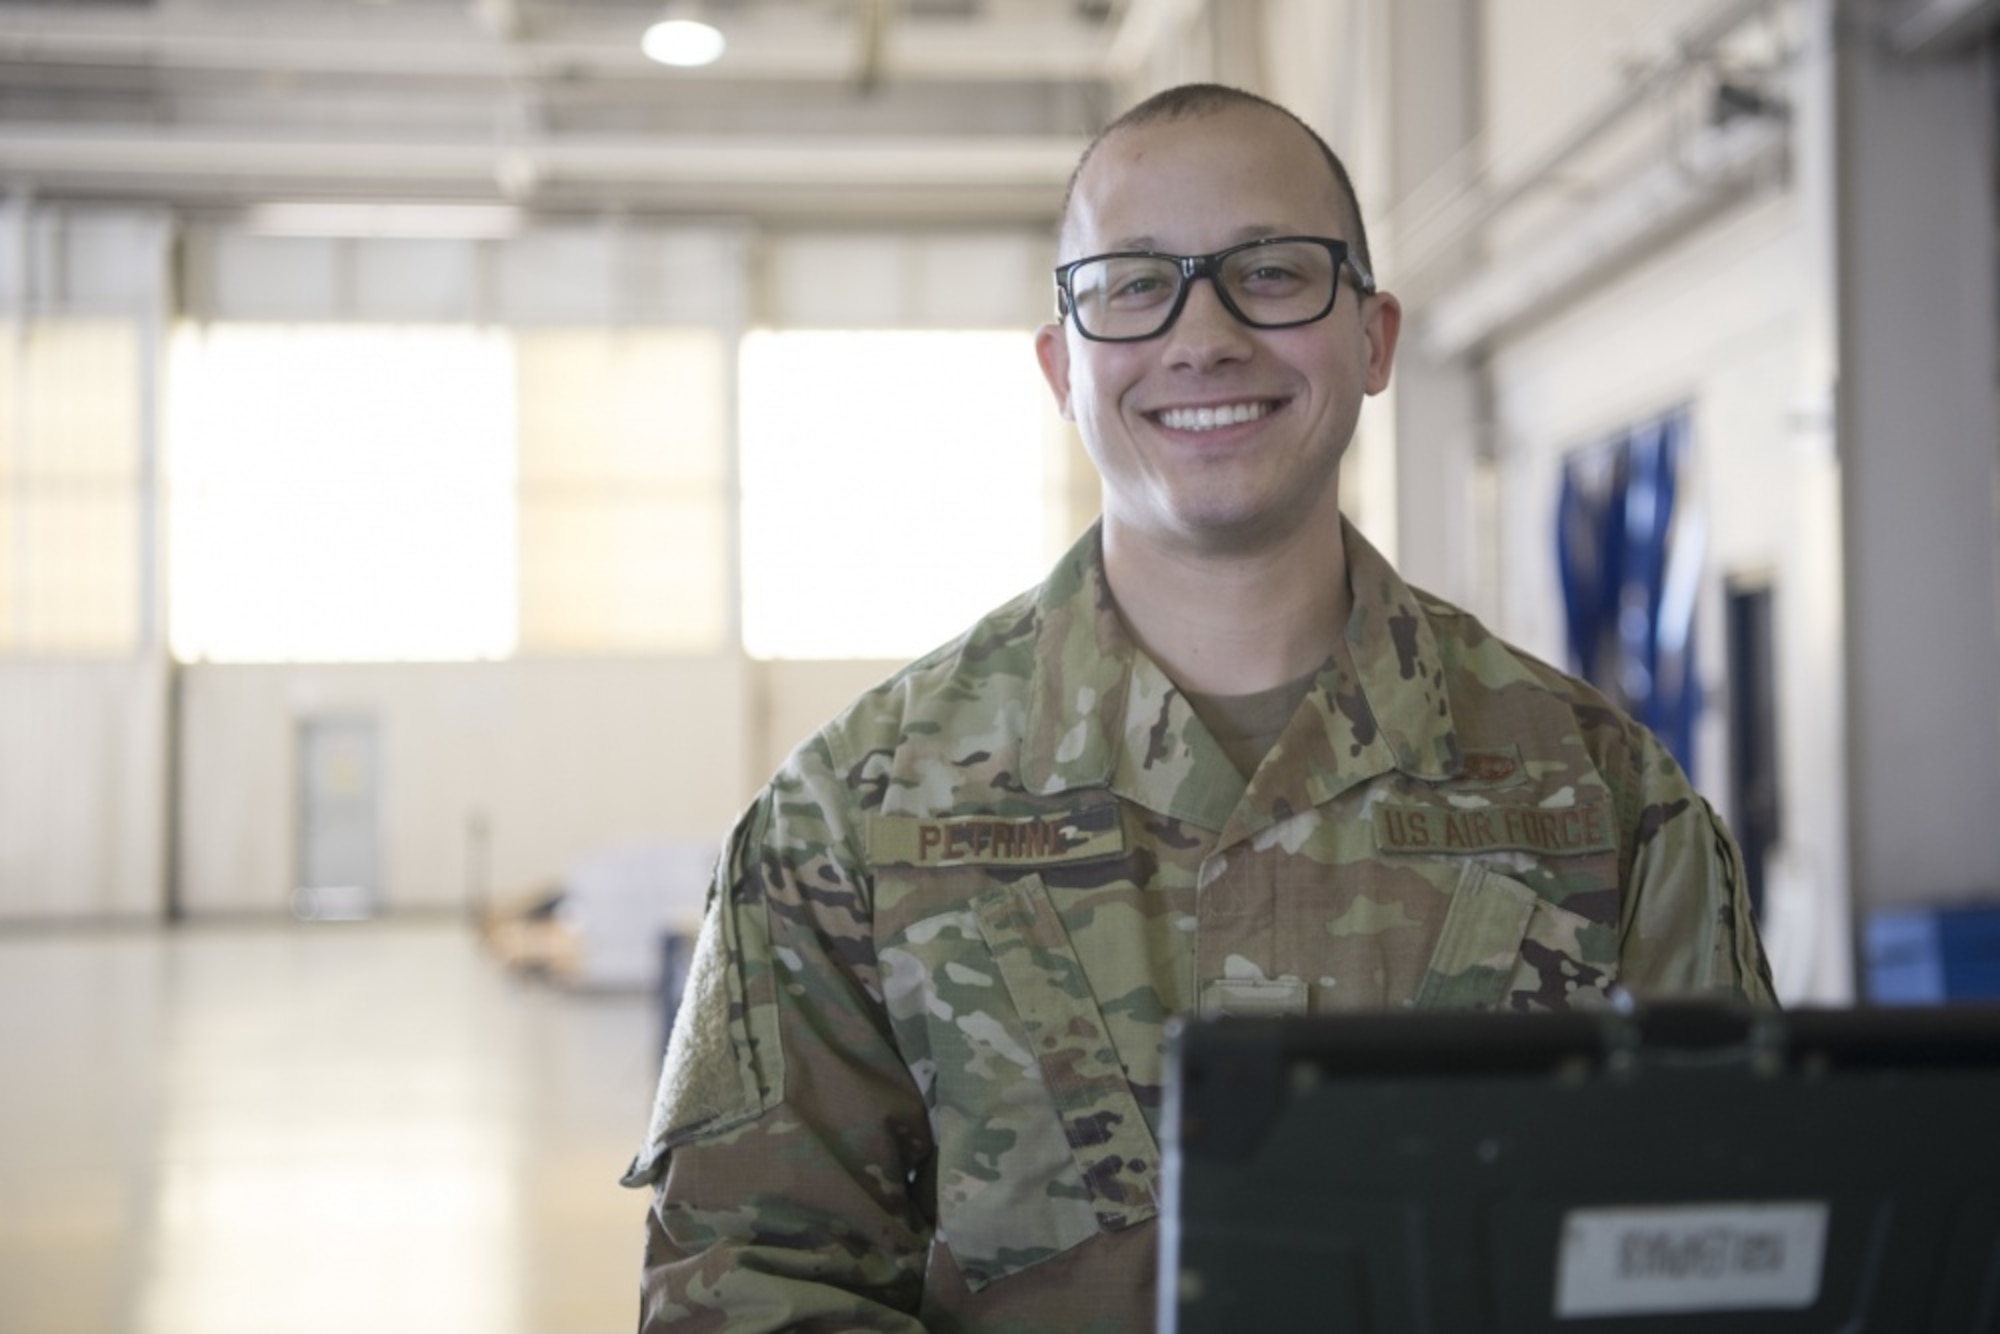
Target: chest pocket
(1504, 946)
(1041, 1143)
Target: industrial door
(340, 853)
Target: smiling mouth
(1214, 418)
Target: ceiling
(831, 109)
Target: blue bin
(1933, 956)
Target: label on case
(1660, 1259)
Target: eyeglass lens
(1136, 296)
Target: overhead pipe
(1650, 206)
(1939, 27)
(1693, 46)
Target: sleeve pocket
(724, 1063)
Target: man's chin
(1240, 531)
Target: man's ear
(1381, 323)
(1052, 350)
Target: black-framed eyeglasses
(1274, 282)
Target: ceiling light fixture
(683, 38)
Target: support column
(1435, 100)
(1920, 448)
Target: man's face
(1215, 436)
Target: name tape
(984, 840)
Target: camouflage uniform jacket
(917, 1076)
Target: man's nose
(1206, 330)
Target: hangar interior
(448, 458)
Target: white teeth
(1207, 419)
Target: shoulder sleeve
(1687, 925)
(787, 1137)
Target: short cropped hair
(1190, 100)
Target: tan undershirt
(1247, 726)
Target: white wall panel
(613, 275)
(554, 277)
(621, 275)
(984, 281)
(238, 276)
(944, 280)
(63, 260)
(112, 262)
(697, 275)
(236, 808)
(394, 280)
(833, 282)
(82, 763)
(83, 742)
(556, 758)
(575, 275)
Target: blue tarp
(1628, 578)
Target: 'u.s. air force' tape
(1550, 830)
(988, 840)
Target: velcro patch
(1093, 834)
(1554, 831)
(1493, 767)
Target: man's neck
(1232, 623)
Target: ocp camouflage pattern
(918, 1082)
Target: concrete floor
(287, 1129)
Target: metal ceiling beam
(856, 163)
(792, 44)
(1024, 176)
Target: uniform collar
(1396, 655)
(1103, 714)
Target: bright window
(352, 493)
(71, 565)
(342, 493)
(624, 540)
(895, 486)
